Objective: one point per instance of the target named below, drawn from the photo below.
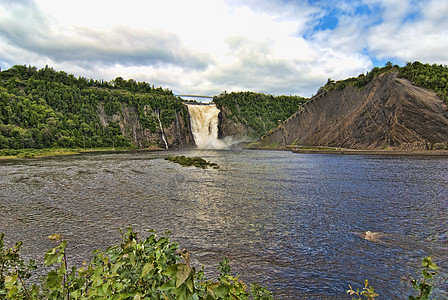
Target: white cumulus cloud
(208, 46)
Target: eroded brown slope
(388, 113)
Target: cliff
(177, 134)
(227, 126)
(389, 112)
(50, 109)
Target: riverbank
(374, 152)
(6, 154)
(341, 151)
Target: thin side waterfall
(157, 113)
(204, 126)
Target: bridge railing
(195, 96)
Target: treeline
(258, 111)
(46, 108)
(433, 77)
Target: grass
(30, 153)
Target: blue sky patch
(329, 21)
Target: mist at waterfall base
(204, 126)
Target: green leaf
(51, 256)
(146, 268)
(234, 297)
(427, 274)
(137, 297)
(10, 281)
(62, 246)
(221, 291)
(62, 270)
(53, 280)
(171, 270)
(170, 284)
(116, 267)
(132, 258)
(190, 284)
(183, 271)
(105, 288)
(13, 292)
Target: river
(293, 222)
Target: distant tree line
(258, 111)
(45, 108)
(433, 77)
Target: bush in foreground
(421, 286)
(153, 268)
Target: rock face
(177, 134)
(389, 112)
(229, 128)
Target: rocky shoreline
(375, 152)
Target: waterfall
(204, 126)
(157, 113)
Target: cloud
(121, 44)
(207, 46)
(422, 37)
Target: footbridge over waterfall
(200, 98)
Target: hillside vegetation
(45, 108)
(433, 77)
(258, 111)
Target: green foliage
(367, 291)
(192, 161)
(45, 109)
(13, 272)
(422, 286)
(433, 77)
(258, 111)
(360, 81)
(149, 268)
(152, 268)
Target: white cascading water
(157, 113)
(204, 126)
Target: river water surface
(293, 222)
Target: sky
(205, 47)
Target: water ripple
(292, 221)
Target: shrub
(152, 268)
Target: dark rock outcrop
(389, 112)
(227, 127)
(177, 134)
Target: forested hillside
(257, 111)
(45, 108)
(433, 77)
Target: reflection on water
(291, 221)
